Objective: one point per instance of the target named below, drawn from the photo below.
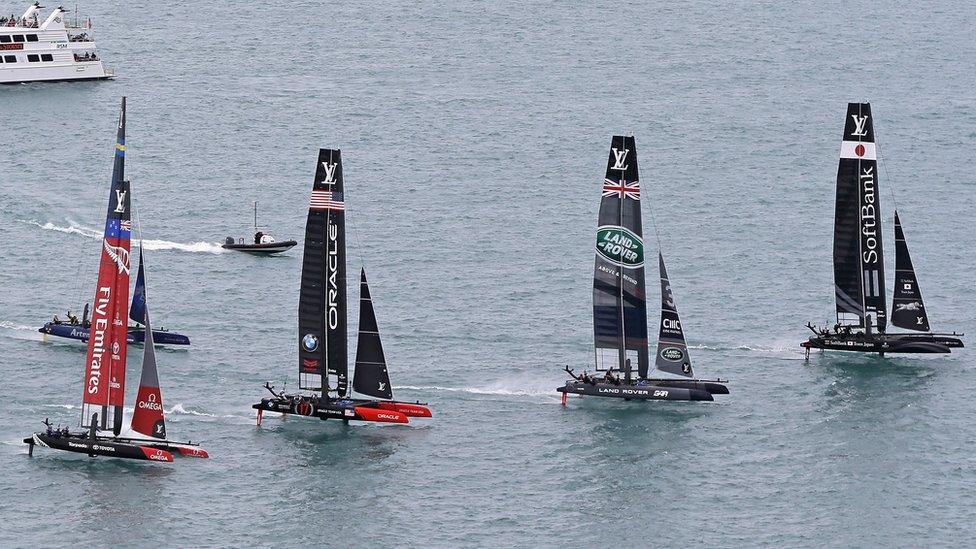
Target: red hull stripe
(193, 452)
(381, 415)
(410, 410)
(153, 454)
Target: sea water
(474, 139)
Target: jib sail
(372, 377)
(104, 383)
(322, 326)
(137, 311)
(619, 300)
(858, 254)
(672, 352)
(147, 418)
(908, 311)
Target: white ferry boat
(55, 50)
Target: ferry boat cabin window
(33, 58)
(32, 38)
(47, 57)
(18, 38)
(5, 38)
(9, 58)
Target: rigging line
(884, 167)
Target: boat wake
(494, 390)
(19, 331)
(95, 234)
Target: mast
(147, 418)
(672, 352)
(104, 383)
(908, 310)
(619, 293)
(858, 252)
(372, 377)
(255, 216)
(322, 346)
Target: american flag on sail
(622, 189)
(326, 200)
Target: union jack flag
(326, 200)
(126, 225)
(621, 189)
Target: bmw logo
(310, 342)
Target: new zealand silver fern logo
(119, 255)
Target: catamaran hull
(636, 392)
(383, 411)
(135, 335)
(98, 447)
(271, 248)
(886, 343)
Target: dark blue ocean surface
(474, 139)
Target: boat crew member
(257, 237)
(57, 320)
(72, 318)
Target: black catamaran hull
(886, 343)
(270, 248)
(98, 446)
(639, 392)
(346, 409)
(135, 335)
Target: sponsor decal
(333, 266)
(304, 408)
(673, 354)
(860, 125)
(310, 363)
(158, 455)
(11, 46)
(310, 343)
(388, 416)
(661, 394)
(100, 324)
(869, 218)
(619, 159)
(115, 348)
(913, 306)
(120, 201)
(382, 386)
(329, 172)
(671, 325)
(620, 246)
(119, 255)
(151, 403)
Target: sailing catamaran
(80, 330)
(322, 347)
(620, 302)
(104, 382)
(859, 280)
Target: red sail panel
(148, 415)
(105, 360)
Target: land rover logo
(673, 354)
(310, 342)
(620, 246)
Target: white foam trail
(204, 247)
(179, 409)
(12, 326)
(497, 391)
(83, 231)
(196, 247)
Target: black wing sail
(672, 352)
(858, 253)
(372, 377)
(322, 300)
(908, 311)
(619, 293)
